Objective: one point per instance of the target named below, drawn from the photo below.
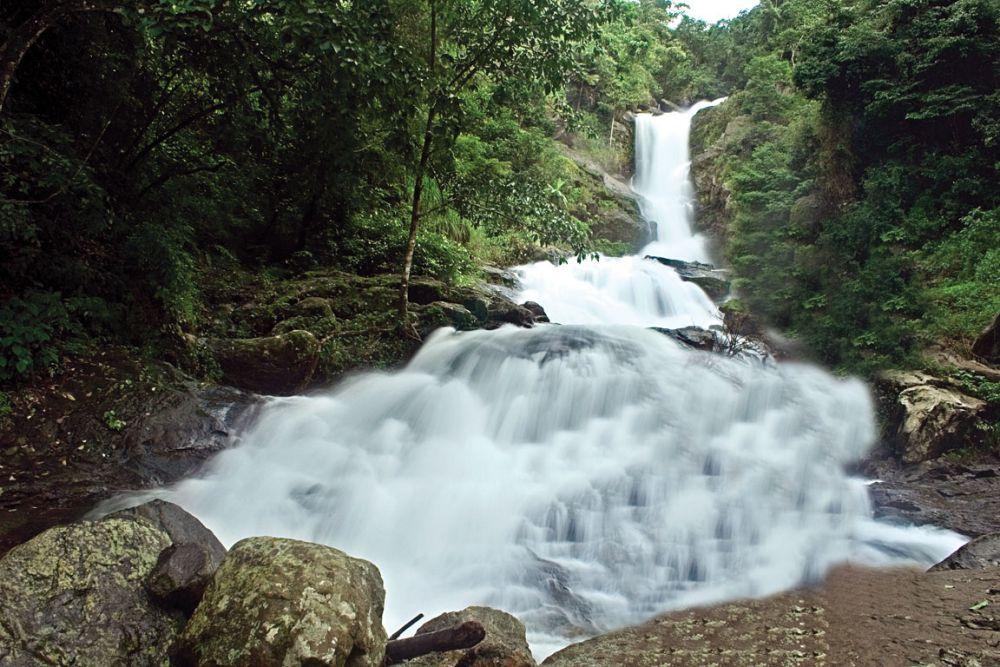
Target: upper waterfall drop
(631, 290)
(663, 183)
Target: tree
(506, 40)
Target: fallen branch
(398, 633)
(459, 637)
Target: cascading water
(582, 476)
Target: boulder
(284, 602)
(282, 364)
(74, 595)
(694, 337)
(980, 553)
(443, 314)
(503, 311)
(987, 346)
(180, 525)
(505, 644)
(714, 282)
(536, 310)
(314, 306)
(927, 417)
(181, 575)
(185, 568)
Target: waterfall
(582, 476)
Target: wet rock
(987, 346)
(962, 498)
(74, 595)
(714, 282)
(181, 429)
(183, 570)
(927, 417)
(536, 310)
(284, 602)
(505, 644)
(503, 277)
(280, 365)
(982, 552)
(171, 427)
(502, 311)
(693, 337)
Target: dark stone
(181, 575)
(536, 310)
(182, 527)
(938, 493)
(182, 430)
(502, 312)
(714, 282)
(987, 346)
(693, 337)
(980, 553)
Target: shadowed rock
(980, 553)
(714, 282)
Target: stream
(584, 475)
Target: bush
(30, 329)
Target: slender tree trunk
(418, 190)
(12, 51)
(418, 183)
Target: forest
(153, 149)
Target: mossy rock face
(74, 595)
(505, 644)
(284, 602)
(282, 364)
(443, 314)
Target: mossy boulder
(443, 314)
(74, 595)
(282, 364)
(926, 416)
(284, 602)
(505, 645)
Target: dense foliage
(861, 155)
(143, 144)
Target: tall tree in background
(507, 40)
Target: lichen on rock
(74, 595)
(284, 602)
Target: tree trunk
(418, 183)
(418, 190)
(462, 636)
(25, 35)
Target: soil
(858, 616)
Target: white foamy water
(582, 477)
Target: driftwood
(406, 627)
(465, 635)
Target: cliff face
(712, 132)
